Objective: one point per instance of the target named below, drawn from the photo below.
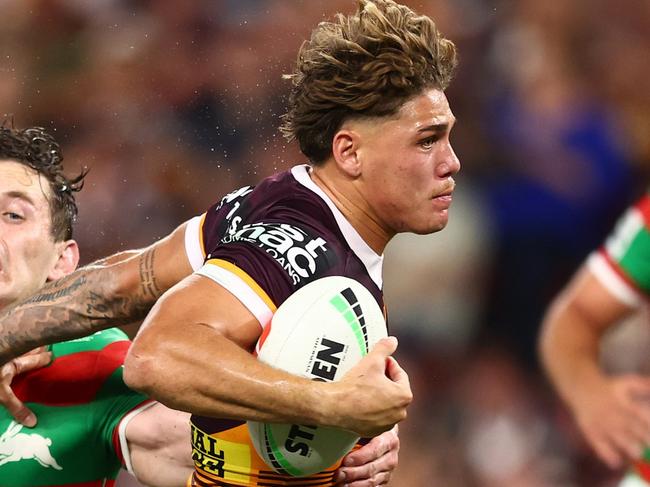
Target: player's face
(408, 165)
(28, 252)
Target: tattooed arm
(112, 292)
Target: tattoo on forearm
(51, 297)
(147, 276)
(79, 304)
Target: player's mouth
(443, 199)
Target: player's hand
(374, 394)
(35, 359)
(615, 418)
(372, 464)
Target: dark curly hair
(37, 149)
(363, 65)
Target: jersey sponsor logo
(300, 254)
(206, 454)
(16, 446)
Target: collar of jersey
(371, 260)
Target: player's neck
(350, 202)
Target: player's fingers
(32, 361)
(10, 402)
(384, 465)
(395, 372)
(378, 447)
(380, 479)
(384, 347)
(627, 445)
(606, 452)
(637, 418)
(37, 350)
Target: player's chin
(433, 224)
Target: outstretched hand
(35, 359)
(371, 465)
(615, 420)
(375, 393)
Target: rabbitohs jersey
(79, 400)
(262, 244)
(622, 265)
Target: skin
(29, 256)
(612, 412)
(416, 186)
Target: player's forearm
(210, 375)
(91, 299)
(569, 349)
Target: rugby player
(84, 433)
(369, 112)
(612, 411)
(90, 423)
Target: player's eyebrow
(437, 127)
(21, 195)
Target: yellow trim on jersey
(201, 243)
(230, 267)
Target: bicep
(195, 306)
(158, 442)
(587, 300)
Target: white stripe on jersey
(193, 243)
(612, 281)
(242, 291)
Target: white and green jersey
(622, 264)
(82, 405)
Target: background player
(369, 111)
(613, 412)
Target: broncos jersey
(263, 243)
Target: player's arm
(159, 452)
(116, 291)
(193, 354)
(612, 412)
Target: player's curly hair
(366, 64)
(37, 149)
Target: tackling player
(90, 424)
(613, 412)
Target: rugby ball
(320, 332)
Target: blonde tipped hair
(363, 65)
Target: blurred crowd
(173, 103)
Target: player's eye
(13, 217)
(429, 141)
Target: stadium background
(173, 103)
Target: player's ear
(344, 149)
(67, 260)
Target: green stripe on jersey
(629, 247)
(93, 343)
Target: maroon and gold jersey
(263, 243)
